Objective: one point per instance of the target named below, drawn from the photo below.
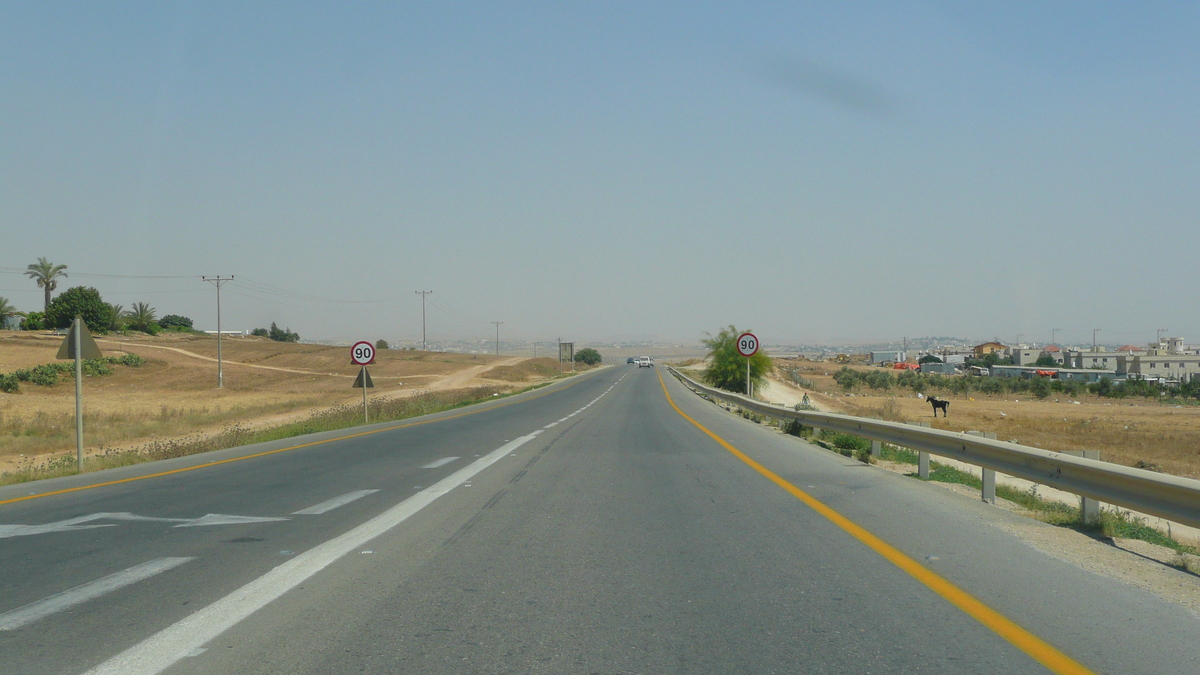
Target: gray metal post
(747, 376)
(1090, 508)
(363, 375)
(220, 363)
(79, 393)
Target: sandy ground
(175, 394)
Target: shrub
(175, 322)
(261, 332)
(9, 384)
(45, 375)
(381, 344)
(95, 367)
(589, 356)
(97, 314)
(132, 360)
(727, 369)
(34, 321)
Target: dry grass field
(174, 393)
(1125, 431)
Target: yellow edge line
(1022, 639)
(272, 452)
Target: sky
(816, 172)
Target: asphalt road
(585, 528)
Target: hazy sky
(816, 172)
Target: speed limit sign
(747, 344)
(362, 353)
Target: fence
(1171, 497)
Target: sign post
(747, 346)
(363, 354)
(79, 345)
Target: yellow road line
(1043, 653)
(273, 452)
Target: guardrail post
(923, 464)
(988, 491)
(1089, 508)
(876, 449)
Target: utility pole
(497, 335)
(1160, 334)
(1094, 331)
(1053, 331)
(218, 281)
(560, 356)
(423, 294)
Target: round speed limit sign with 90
(362, 354)
(747, 344)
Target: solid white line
(551, 425)
(26, 615)
(158, 652)
(441, 462)
(331, 504)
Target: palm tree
(46, 275)
(6, 310)
(141, 316)
(118, 313)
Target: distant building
(989, 348)
(1022, 356)
(1054, 352)
(895, 356)
(1170, 367)
(940, 368)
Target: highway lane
(622, 539)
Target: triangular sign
(358, 381)
(88, 345)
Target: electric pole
(497, 335)
(1094, 331)
(1053, 332)
(1160, 332)
(423, 294)
(218, 281)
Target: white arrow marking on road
(222, 519)
(73, 524)
(332, 504)
(26, 615)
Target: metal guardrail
(1171, 497)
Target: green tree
(381, 344)
(929, 358)
(727, 368)
(1040, 386)
(589, 356)
(46, 274)
(175, 322)
(118, 317)
(97, 314)
(1045, 361)
(282, 334)
(141, 317)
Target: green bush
(589, 356)
(849, 442)
(97, 314)
(132, 360)
(9, 384)
(95, 367)
(45, 375)
(381, 345)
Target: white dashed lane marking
(331, 504)
(441, 462)
(41, 609)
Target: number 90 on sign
(362, 354)
(747, 344)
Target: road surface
(612, 523)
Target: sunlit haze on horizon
(820, 173)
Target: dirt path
(123, 346)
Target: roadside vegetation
(331, 419)
(727, 368)
(48, 374)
